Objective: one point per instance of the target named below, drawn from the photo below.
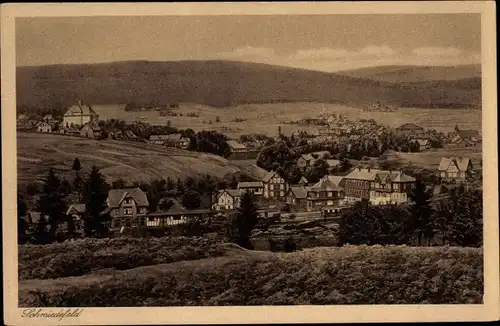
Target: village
(335, 183)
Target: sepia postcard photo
(204, 163)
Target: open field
(346, 275)
(132, 161)
(430, 159)
(265, 118)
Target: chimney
(279, 130)
(79, 103)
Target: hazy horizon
(326, 43)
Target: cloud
(334, 59)
(249, 53)
(437, 51)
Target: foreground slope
(226, 83)
(347, 275)
(131, 161)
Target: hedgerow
(79, 257)
(346, 275)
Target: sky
(319, 42)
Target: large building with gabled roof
(378, 186)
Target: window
(282, 181)
(128, 200)
(282, 193)
(282, 186)
(271, 194)
(116, 223)
(127, 211)
(133, 222)
(372, 184)
(270, 187)
(395, 186)
(377, 185)
(329, 194)
(127, 222)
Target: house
(43, 127)
(326, 192)
(424, 144)
(158, 139)
(79, 115)
(115, 134)
(275, 187)
(71, 131)
(296, 197)
(455, 168)
(464, 134)
(227, 199)
(129, 134)
(171, 140)
(91, 130)
(410, 128)
(48, 118)
(378, 186)
(255, 187)
(236, 147)
(76, 212)
(307, 160)
(128, 207)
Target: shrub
(319, 276)
(75, 258)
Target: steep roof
(235, 145)
(423, 142)
(299, 192)
(116, 196)
(79, 208)
(371, 174)
(460, 162)
(250, 184)
(310, 156)
(232, 192)
(303, 180)
(268, 176)
(80, 109)
(328, 183)
(93, 126)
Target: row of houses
(380, 187)
(171, 140)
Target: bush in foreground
(347, 275)
(75, 258)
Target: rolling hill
(415, 73)
(132, 161)
(226, 83)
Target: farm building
(296, 197)
(454, 168)
(255, 187)
(91, 130)
(128, 207)
(236, 147)
(43, 127)
(227, 199)
(79, 115)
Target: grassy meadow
(230, 275)
(265, 118)
(131, 161)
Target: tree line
(459, 223)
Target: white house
(79, 115)
(227, 199)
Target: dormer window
(128, 200)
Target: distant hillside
(415, 73)
(131, 161)
(226, 83)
